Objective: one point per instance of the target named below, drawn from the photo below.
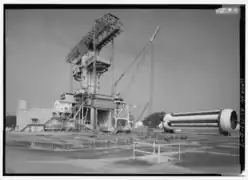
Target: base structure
(99, 114)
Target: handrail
(154, 145)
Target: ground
(204, 154)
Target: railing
(156, 149)
(94, 144)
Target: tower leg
(93, 117)
(82, 115)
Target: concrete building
(26, 116)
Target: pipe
(225, 120)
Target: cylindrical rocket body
(225, 120)
(195, 119)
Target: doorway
(103, 117)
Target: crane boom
(155, 33)
(136, 58)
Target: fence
(94, 144)
(156, 149)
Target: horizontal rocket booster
(225, 120)
(195, 125)
(194, 119)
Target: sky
(196, 54)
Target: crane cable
(134, 74)
(130, 83)
(134, 60)
(142, 112)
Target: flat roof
(66, 93)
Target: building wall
(24, 117)
(10, 120)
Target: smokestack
(22, 105)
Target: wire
(128, 87)
(134, 60)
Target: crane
(150, 43)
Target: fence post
(179, 152)
(158, 154)
(93, 144)
(154, 147)
(134, 150)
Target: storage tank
(22, 105)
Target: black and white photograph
(123, 90)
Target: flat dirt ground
(211, 154)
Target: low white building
(33, 116)
(25, 116)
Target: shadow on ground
(135, 162)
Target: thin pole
(151, 79)
(154, 147)
(112, 81)
(71, 79)
(112, 64)
(179, 152)
(94, 75)
(159, 154)
(134, 150)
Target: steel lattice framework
(106, 28)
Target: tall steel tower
(88, 66)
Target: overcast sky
(196, 57)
